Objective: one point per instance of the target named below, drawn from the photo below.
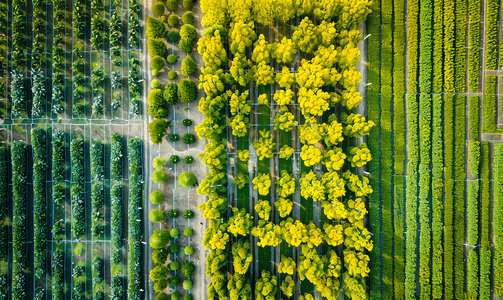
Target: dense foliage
(38, 141)
(78, 186)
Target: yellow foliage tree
(263, 183)
(264, 145)
(286, 152)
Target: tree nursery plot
(279, 149)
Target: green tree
(263, 209)
(188, 17)
(240, 223)
(242, 256)
(187, 284)
(159, 239)
(188, 231)
(173, 232)
(155, 28)
(187, 179)
(159, 162)
(159, 272)
(159, 176)
(156, 215)
(263, 183)
(156, 47)
(157, 197)
(187, 268)
(172, 5)
(157, 130)
(266, 286)
(187, 90)
(160, 285)
(157, 64)
(189, 66)
(188, 250)
(173, 20)
(157, 9)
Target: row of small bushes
(78, 187)
(38, 141)
(58, 272)
(4, 10)
(498, 219)
(474, 49)
(485, 240)
(98, 190)
(117, 218)
(134, 24)
(135, 86)
(135, 218)
(18, 33)
(58, 56)
(19, 255)
(4, 213)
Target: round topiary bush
(159, 239)
(188, 17)
(174, 159)
(187, 122)
(189, 66)
(188, 31)
(159, 163)
(174, 248)
(174, 232)
(157, 64)
(188, 214)
(189, 138)
(160, 285)
(155, 28)
(158, 8)
(172, 58)
(186, 45)
(172, 5)
(173, 36)
(161, 296)
(171, 93)
(173, 20)
(157, 197)
(188, 250)
(187, 297)
(176, 296)
(174, 137)
(188, 159)
(173, 213)
(187, 179)
(188, 4)
(157, 129)
(156, 47)
(155, 84)
(187, 90)
(159, 176)
(174, 265)
(187, 284)
(188, 231)
(172, 74)
(156, 215)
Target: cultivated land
(76, 173)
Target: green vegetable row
(117, 218)
(135, 218)
(498, 219)
(58, 57)
(98, 190)
(78, 200)
(38, 141)
(413, 143)
(474, 45)
(4, 213)
(374, 21)
(19, 255)
(485, 241)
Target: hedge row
(134, 24)
(98, 190)
(474, 117)
(134, 81)
(38, 141)
(18, 95)
(39, 38)
(18, 26)
(116, 160)
(492, 14)
(399, 145)
(474, 48)
(413, 142)
(485, 241)
(4, 213)
(117, 215)
(19, 255)
(489, 105)
(78, 187)
(98, 277)
(386, 142)
(459, 194)
(58, 56)
(135, 218)
(472, 217)
(374, 21)
(58, 272)
(498, 219)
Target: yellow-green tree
(262, 183)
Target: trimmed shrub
(159, 176)
(157, 130)
(159, 163)
(188, 231)
(156, 47)
(189, 66)
(173, 138)
(155, 28)
(174, 159)
(187, 284)
(188, 250)
(188, 214)
(187, 122)
(159, 239)
(173, 213)
(171, 93)
(186, 45)
(155, 84)
(187, 179)
(174, 265)
(158, 8)
(187, 297)
(189, 138)
(189, 32)
(156, 215)
(188, 159)
(172, 74)
(188, 4)
(160, 285)
(172, 5)
(187, 90)
(172, 59)
(176, 296)
(159, 256)
(159, 272)
(188, 17)
(174, 232)
(173, 20)
(157, 197)
(187, 268)
(161, 296)
(157, 64)
(174, 248)
(173, 36)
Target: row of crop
(135, 218)
(98, 39)
(472, 220)
(19, 265)
(116, 42)
(448, 70)
(4, 213)
(38, 58)
(78, 187)
(498, 219)
(386, 160)
(4, 11)
(98, 189)
(18, 58)
(485, 240)
(373, 142)
(398, 145)
(491, 30)
(117, 216)
(58, 198)
(135, 75)
(58, 57)
(474, 42)
(38, 141)
(413, 144)
(79, 20)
